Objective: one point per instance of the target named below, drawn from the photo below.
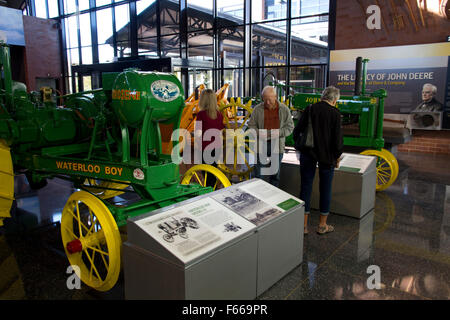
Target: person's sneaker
(305, 231)
(325, 229)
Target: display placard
(196, 228)
(400, 70)
(257, 201)
(355, 162)
(292, 156)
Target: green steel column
(7, 77)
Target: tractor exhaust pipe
(358, 76)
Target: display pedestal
(229, 273)
(354, 184)
(196, 249)
(233, 243)
(280, 239)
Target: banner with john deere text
(401, 70)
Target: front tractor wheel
(91, 240)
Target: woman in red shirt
(209, 118)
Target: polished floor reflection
(405, 240)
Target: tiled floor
(407, 237)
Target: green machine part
(134, 93)
(149, 101)
(146, 104)
(113, 135)
(37, 126)
(362, 113)
(27, 123)
(365, 112)
(102, 140)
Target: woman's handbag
(306, 139)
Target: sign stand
(354, 184)
(279, 219)
(233, 243)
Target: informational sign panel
(401, 71)
(11, 26)
(272, 195)
(258, 201)
(355, 162)
(351, 162)
(196, 228)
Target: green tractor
(362, 119)
(105, 141)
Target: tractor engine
(33, 123)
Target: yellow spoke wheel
(91, 240)
(105, 193)
(198, 174)
(386, 172)
(236, 143)
(393, 160)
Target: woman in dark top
(209, 118)
(327, 150)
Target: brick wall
(352, 33)
(42, 51)
(437, 142)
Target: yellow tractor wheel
(393, 160)
(386, 170)
(198, 174)
(236, 145)
(7, 181)
(91, 240)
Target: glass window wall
(41, 8)
(52, 8)
(216, 40)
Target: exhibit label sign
(257, 201)
(401, 71)
(355, 162)
(196, 228)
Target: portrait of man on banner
(429, 102)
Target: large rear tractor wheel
(393, 160)
(199, 175)
(387, 171)
(237, 145)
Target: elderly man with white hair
(273, 121)
(429, 102)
